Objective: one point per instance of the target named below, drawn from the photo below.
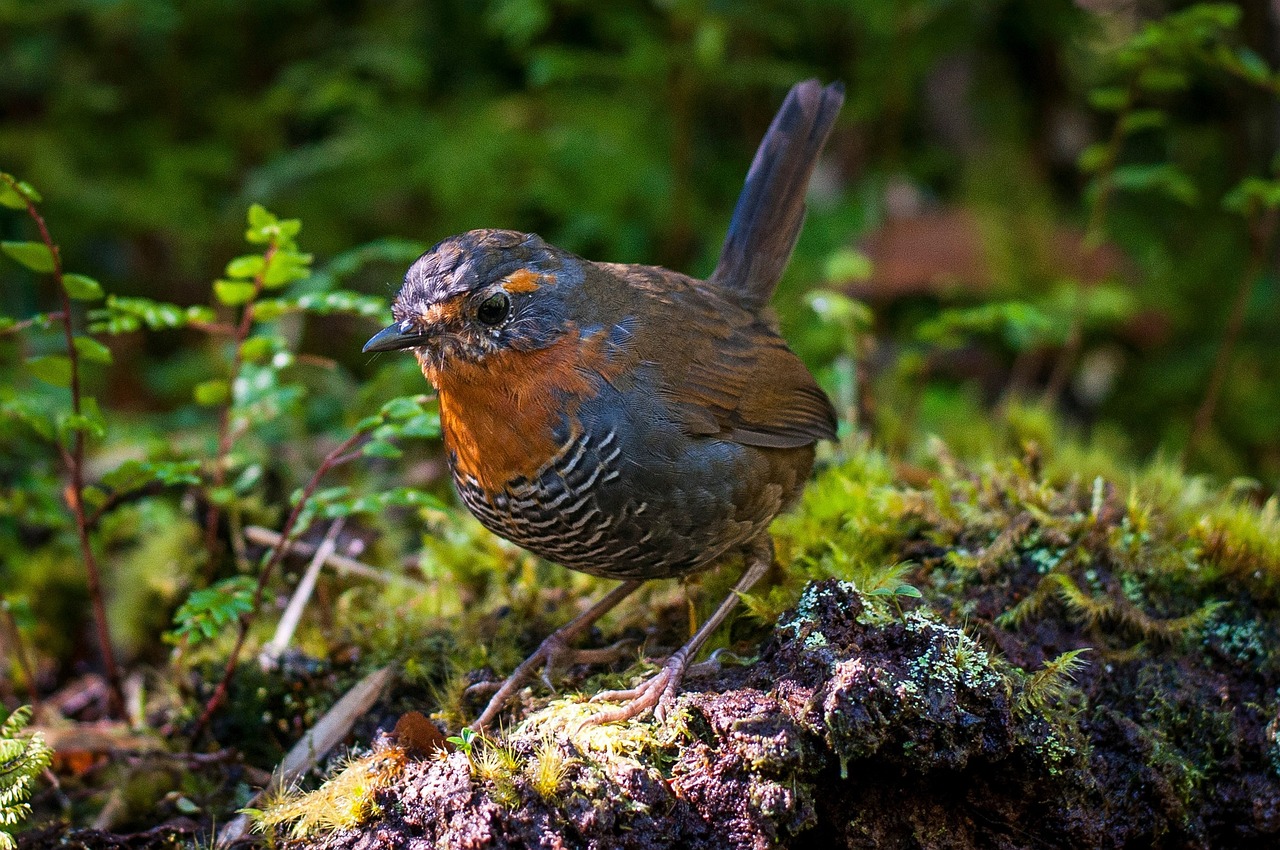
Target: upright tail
(770, 211)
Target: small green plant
(465, 740)
(22, 759)
(547, 770)
(1051, 684)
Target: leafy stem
(225, 436)
(73, 459)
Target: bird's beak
(395, 338)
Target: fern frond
(22, 759)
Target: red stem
(74, 459)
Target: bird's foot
(657, 693)
(555, 653)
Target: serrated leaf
(81, 287)
(34, 255)
(233, 293)
(211, 393)
(92, 350)
(53, 369)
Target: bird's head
(477, 294)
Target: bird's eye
(494, 309)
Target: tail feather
(766, 222)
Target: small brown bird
(626, 421)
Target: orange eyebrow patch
(524, 280)
(443, 312)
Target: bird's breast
(506, 417)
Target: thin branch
(334, 458)
(288, 625)
(18, 327)
(73, 458)
(344, 564)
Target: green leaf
(92, 350)
(93, 497)
(212, 393)
(1251, 194)
(53, 369)
(1109, 99)
(270, 309)
(1253, 66)
(246, 266)
(1163, 80)
(403, 407)
(1163, 178)
(381, 448)
(90, 424)
(10, 197)
(257, 347)
(286, 267)
(34, 255)
(136, 474)
(846, 265)
(1094, 157)
(907, 590)
(206, 612)
(248, 479)
(233, 293)
(81, 287)
(1143, 119)
(15, 193)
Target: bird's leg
(659, 691)
(556, 648)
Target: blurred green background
(622, 131)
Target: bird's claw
(657, 693)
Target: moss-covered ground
(1040, 651)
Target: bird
(627, 421)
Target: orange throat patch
(499, 416)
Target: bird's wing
(725, 373)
